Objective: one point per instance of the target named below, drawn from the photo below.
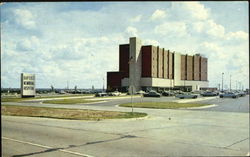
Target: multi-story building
(145, 67)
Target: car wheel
(181, 97)
(221, 96)
(234, 97)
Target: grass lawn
(70, 101)
(162, 105)
(18, 99)
(62, 113)
(14, 99)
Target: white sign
(28, 85)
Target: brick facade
(193, 68)
(158, 63)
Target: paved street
(222, 104)
(222, 130)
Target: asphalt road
(240, 104)
(222, 130)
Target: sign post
(27, 85)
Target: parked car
(241, 93)
(186, 95)
(115, 93)
(209, 94)
(167, 93)
(229, 94)
(101, 94)
(152, 94)
(140, 92)
(178, 92)
(196, 92)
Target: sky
(78, 42)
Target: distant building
(145, 67)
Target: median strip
(19, 99)
(63, 113)
(70, 101)
(162, 105)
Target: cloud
(28, 44)
(158, 14)
(212, 51)
(239, 35)
(214, 29)
(136, 18)
(25, 18)
(150, 42)
(131, 31)
(171, 28)
(209, 28)
(64, 42)
(190, 10)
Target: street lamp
(185, 82)
(239, 85)
(236, 85)
(230, 82)
(103, 85)
(222, 82)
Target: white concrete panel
(135, 64)
(177, 68)
(196, 85)
(156, 82)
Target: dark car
(152, 94)
(167, 93)
(209, 94)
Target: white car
(229, 94)
(115, 93)
(186, 95)
(101, 94)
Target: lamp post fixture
(222, 82)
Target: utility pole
(230, 82)
(222, 82)
(185, 81)
(103, 86)
(236, 85)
